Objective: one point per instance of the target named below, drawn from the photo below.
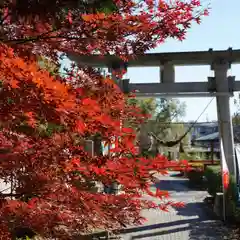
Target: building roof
(215, 136)
(203, 124)
(209, 137)
(188, 124)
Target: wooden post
(212, 151)
(89, 147)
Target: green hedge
(195, 177)
(213, 177)
(232, 198)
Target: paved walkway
(189, 223)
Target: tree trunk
(98, 151)
(97, 145)
(144, 140)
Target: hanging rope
(175, 142)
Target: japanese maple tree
(45, 117)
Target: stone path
(189, 223)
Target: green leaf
(10, 101)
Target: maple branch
(5, 195)
(62, 37)
(55, 160)
(4, 18)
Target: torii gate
(221, 85)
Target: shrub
(195, 175)
(198, 166)
(232, 198)
(214, 184)
(237, 215)
(214, 179)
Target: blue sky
(220, 30)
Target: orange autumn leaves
(16, 71)
(31, 94)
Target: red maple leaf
(80, 126)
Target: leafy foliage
(236, 115)
(45, 118)
(195, 175)
(81, 27)
(166, 113)
(163, 124)
(214, 179)
(213, 176)
(41, 133)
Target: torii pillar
(167, 76)
(167, 72)
(224, 115)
